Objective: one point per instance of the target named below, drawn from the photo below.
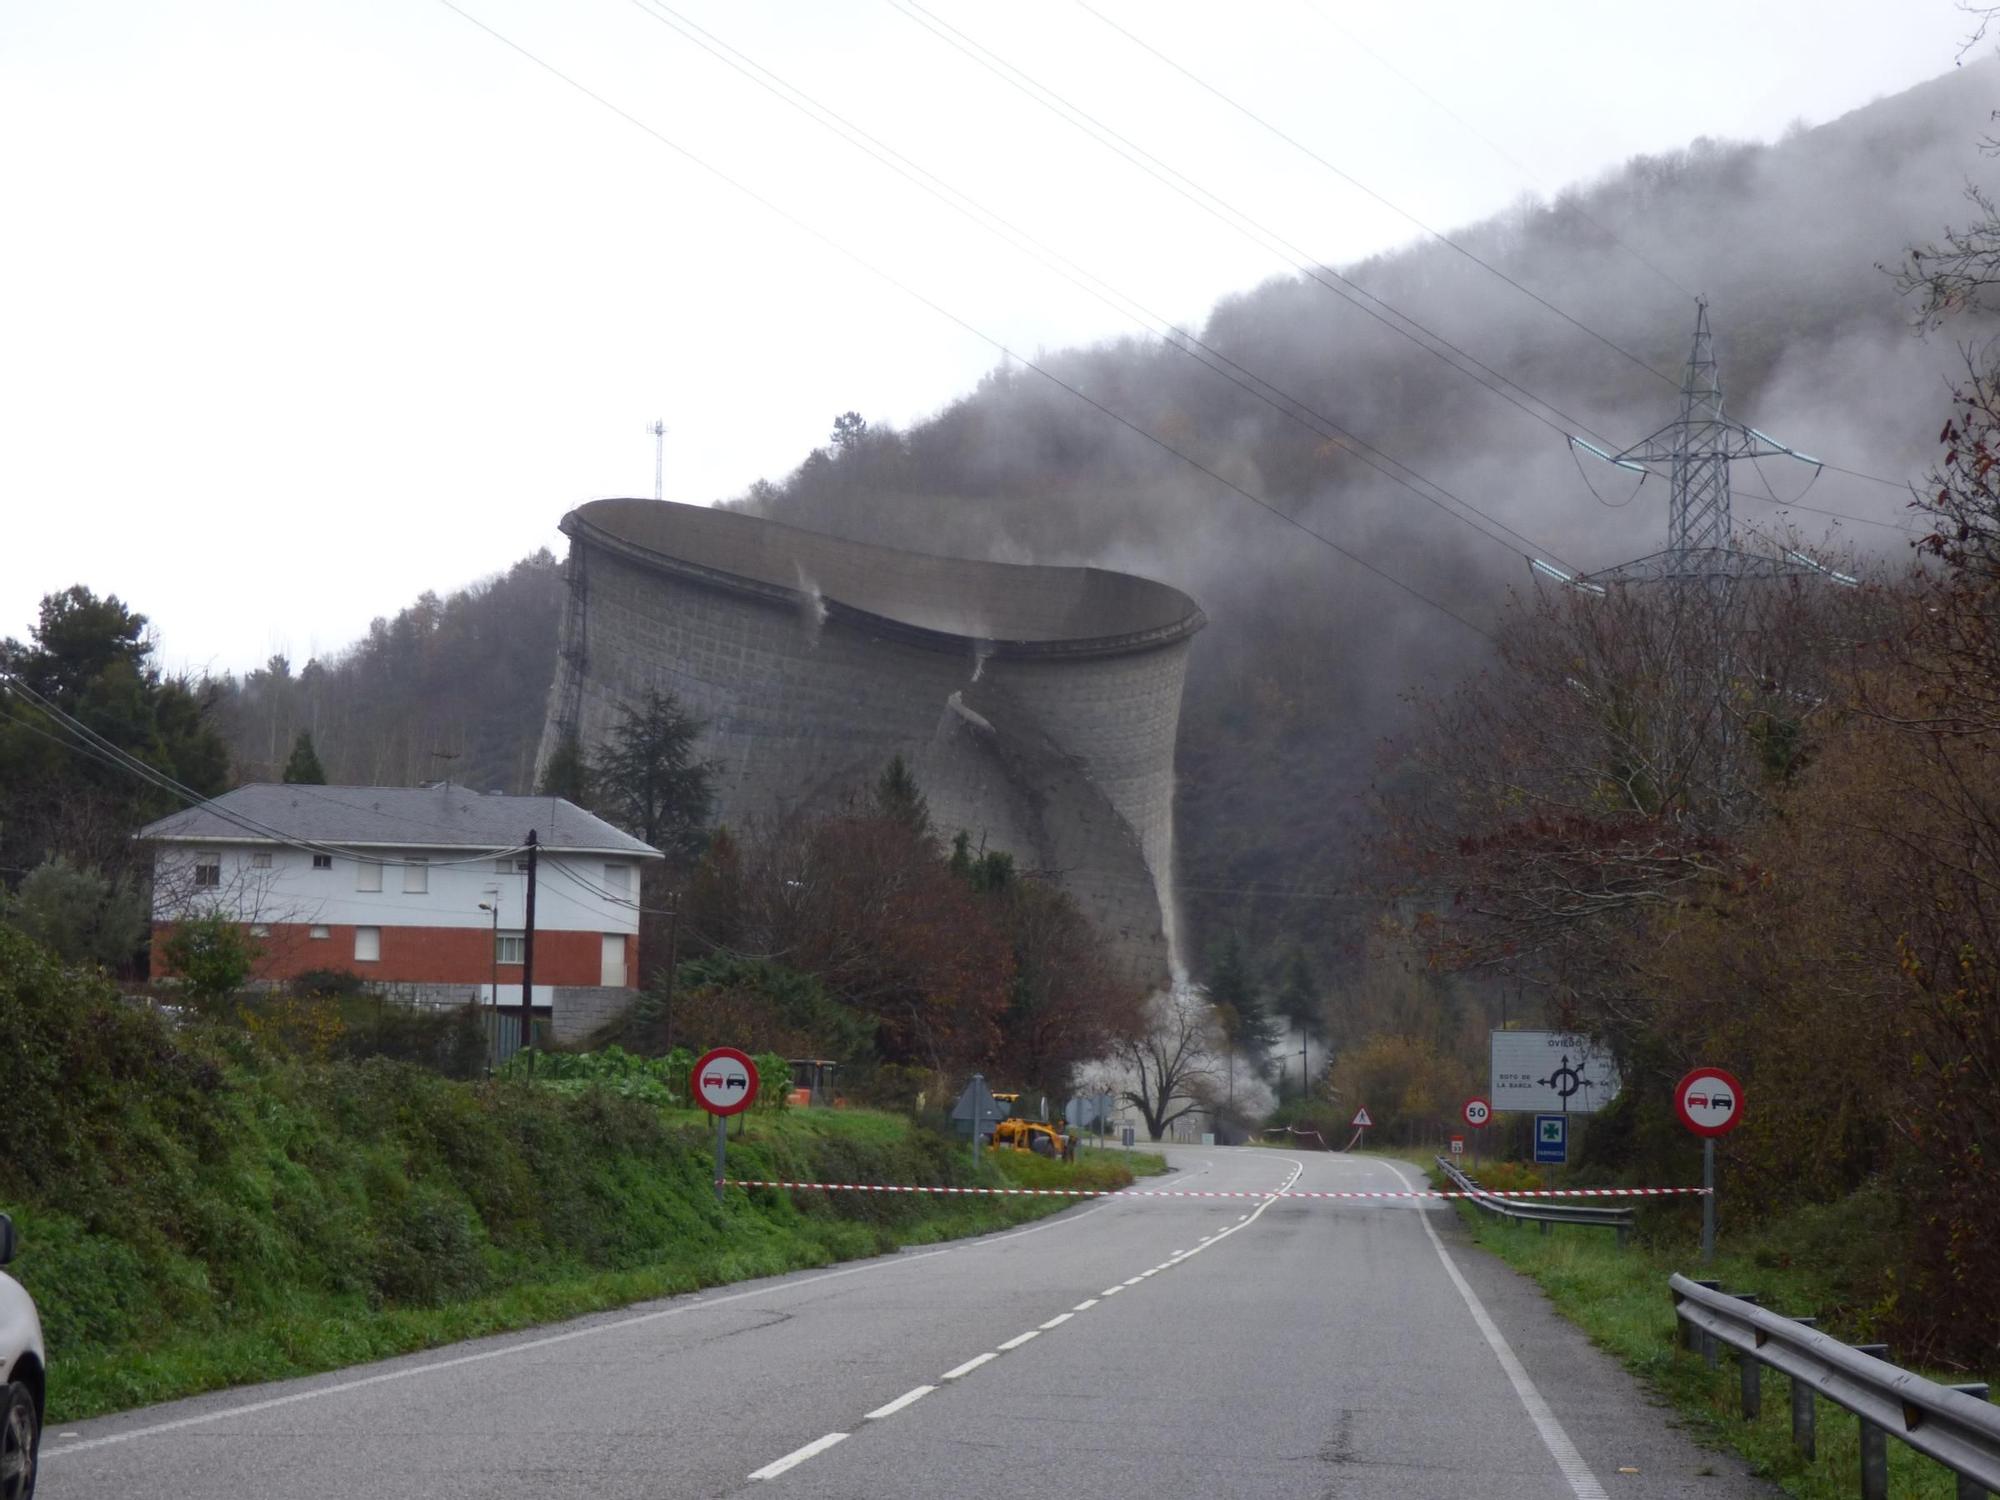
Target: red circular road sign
(724, 1081)
(1476, 1112)
(1709, 1101)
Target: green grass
(1620, 1299)
(201, 1204)
(301, 1329)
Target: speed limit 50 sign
(1477, 1112)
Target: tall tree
(81, 693)
(1299, 1000)
(302, 767)
(1170, 1064)
(849, 428)
(567, 774)
(648, 779)
(898, 797)
(1239, 1001)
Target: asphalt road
(1145, 1347)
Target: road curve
(1138, 1347)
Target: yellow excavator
(1030, 1135)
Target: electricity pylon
(1697, 448)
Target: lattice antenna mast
(1696, 450)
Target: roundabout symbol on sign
(1477, 1112)
(723, 1081)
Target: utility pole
(673, 925)
(659, 432)
(528, 948)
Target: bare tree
(1171, 1067)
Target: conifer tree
(302, 767)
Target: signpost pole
(1708, 1198)
(723, 1081)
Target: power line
(86, 742)
(1359, 185)
(874, 270)
(1227, 213)
(1494, 146)
(1338, 285)
(1177, 338)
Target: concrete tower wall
(814, 660)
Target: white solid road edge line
(969, 1366)
(794, 1459)
(1582, 1483)
(1021, 1338)
(906, 1399)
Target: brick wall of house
(419, 955)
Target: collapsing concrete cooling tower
(1037, 706)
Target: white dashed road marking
(798, 1456)
(900, 1402)
(1021, 1338)
(961, 1371)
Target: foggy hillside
(1300, 677)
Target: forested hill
(1300, 679)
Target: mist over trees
(1305, 670)
(1302, 674)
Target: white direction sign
(1361, 1120)
(1551, 1071)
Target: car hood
(20, 1327)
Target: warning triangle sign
(1361, 1118)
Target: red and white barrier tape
(998, 1192)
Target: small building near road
(419, 892)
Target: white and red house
(420, 891)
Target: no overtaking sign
(724, 1081)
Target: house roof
(393, 817)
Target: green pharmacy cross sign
(1551, 1140)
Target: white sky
(313, 304)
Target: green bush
(199, 1208)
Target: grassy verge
(300, 1329)
(1619, 1297)
(203, 1204)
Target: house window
(416, 876)
(510, 948)
(261, 860)
(322, 861)
(367, 945)
(207, 868)
(320, 932)
(503, 867)
(368, 875)
(618, 879)
(259, 929)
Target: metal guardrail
(1954, 1424)
(1545, 1214)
